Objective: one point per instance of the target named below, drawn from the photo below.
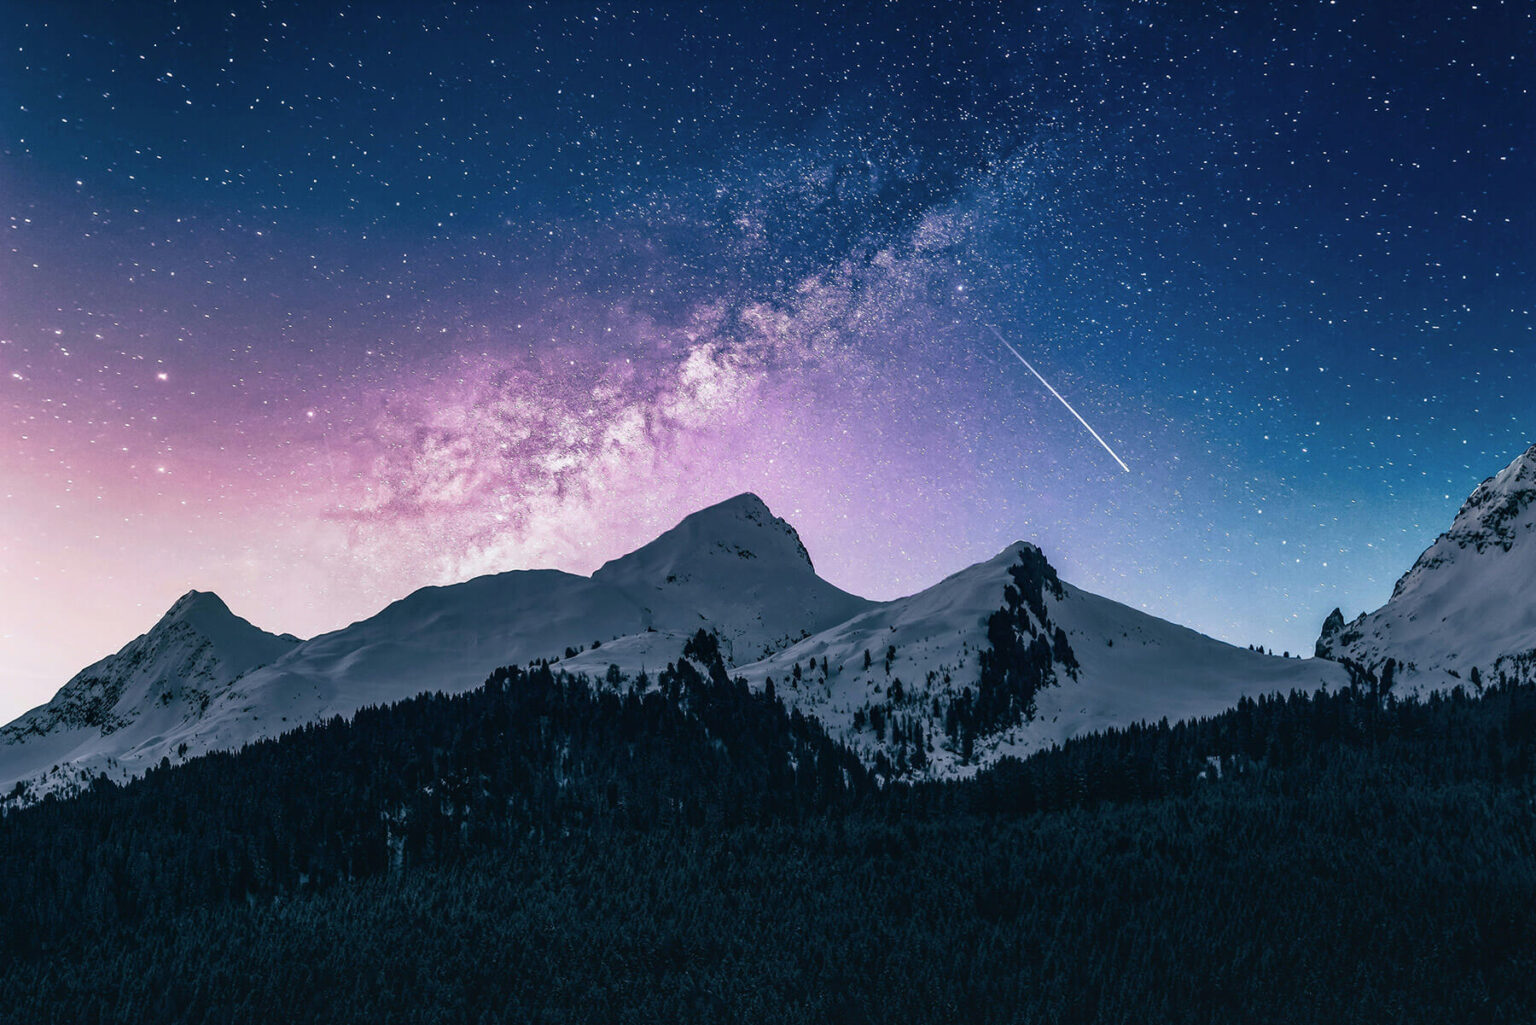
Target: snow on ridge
(216, 682)
(162, 679)
(742, 526)
(203, 679)
(736, 568)
(1131, 667)
(1463, 609)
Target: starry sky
(311, 304)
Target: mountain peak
(156, 683)
(746, 507)
(747, 502)
(1518, 477)
(1464, 603)
(737, 567)
(1499, 511)
(1493, 513)
(741, 527)
(205, 613)
(202, 615)
(196, 604)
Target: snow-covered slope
(1469, 602)
(733, 567)
(159, 682)
(205, 680)
(1137, 667)
(438, 639)
(1130, 667)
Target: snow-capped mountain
(736, 569)
(1120, 666)
(1124, 666)
(954, 670)
(1466, 611)
(160, 681)
(733, 567)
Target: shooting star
(1063, 401)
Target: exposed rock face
(1332, 627)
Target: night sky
(312, 305)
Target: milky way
(311, 305)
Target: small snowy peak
(905, 674)
(734, 568)
(195, 604)
(198, 643)
(1464, 612)
(1501, 509)
(1499, 513)
(165, 677)
(904, 681)
(740, 528)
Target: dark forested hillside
(528, 757)
(548, 849)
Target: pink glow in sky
(547, 447)
(310, 309)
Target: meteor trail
(1064, 402)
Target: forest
(557, 849)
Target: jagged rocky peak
(1499, 512)
(1501, 507)
(1332, 627)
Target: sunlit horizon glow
(312, 305)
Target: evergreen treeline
(1023, 646)
(1444, 739)
(426, 781)
(547, 849)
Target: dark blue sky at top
(1278, 254)
(1358, 137)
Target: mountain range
(1001, 658)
